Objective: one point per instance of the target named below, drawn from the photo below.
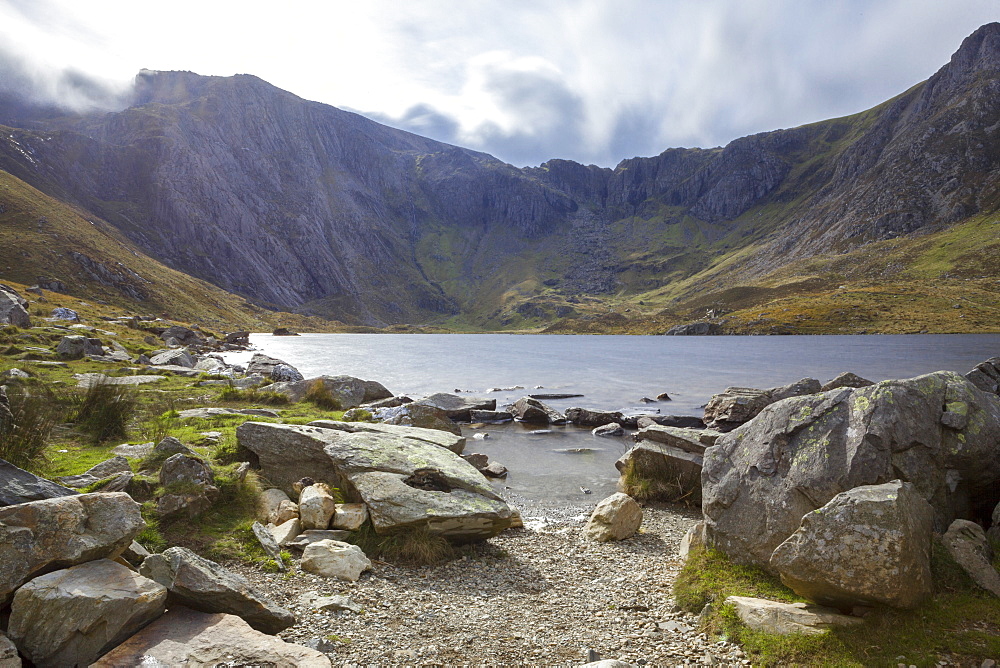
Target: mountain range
(886, 220)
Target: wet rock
(615, 518)
(204, 585)
(72, 616)
(612, 430)
(584, 417)
(527, 409)
(490, 417)
(335, 559)
(458, 408)
(418, 415)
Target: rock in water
(528, 409)
(615, 518)
(870, 545)
(72, 616)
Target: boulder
(188, 482)
(761, 479)
(438, 437)
(349, 391)
(311, 536)
(418, 415)
(490, 417)
(41, 535)
(846, 379)
(737, 405)
(13, 308)
(185, 637)
(615, 518)
(238, 338)
(285, 373)
(494, 470)
(349, 516)
(966, 542)
(458, 408)
(263, 364)
(211, 364)
(19, 486)
(175, 357)
(268, 544)
(72, 616)
(378, 468)
(391, 402)
(8, 653)
(788, 618)
(335, 559)
(285, 532)
(63, 313)
(109, 467)
(170, 446)
(609, 430)
(275, 507)
(284, 331)
(74, 347)
(584, 417)
(527, 409)
(688, 440)
(867, 546)
(655, 471)
(185, 335)
(986, 375)
(204, 585)
(316, 507)
(684, 421)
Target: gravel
(541, 595)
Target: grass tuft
(35, 416)
(415, 547)
(105, 410)
(252, 395)
(319, 395)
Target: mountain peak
(979, 51)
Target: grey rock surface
(349, 391)
(13, 308)
(457, 407)
(20, 486)
(666, 472)
(966, 542)
(788, 618)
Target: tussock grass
(319, 395)
(252, 395)
(105, 411)
(24, 442)
(414, 547)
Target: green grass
(960, 620)
(35, 414)
(105, 410)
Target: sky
(595, 81)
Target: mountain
(299, 205)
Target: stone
(263, 364)
(688, 440)
(72, 616)
(615, 518)
(986, 375)
(666, 473)
(19, 486)
(185, 637)
(13, 308)
(609, 430)
(284, 373)
(204, 585)
(109, 467)
(761, 479)
(349, 391)
(737, 405)
(330, 603)
(38, 536)
(269, 545)
(286, 532)
(378, 469)
(75, 347)
(176, 357)
(456, 407)
(788, 618)
(584, 417)
(170, 446)
(349, 516)
(175, 370)
(846, 379)
(211, 364)
(189, 486)
(8, 653)
(966, 542)
(135, 553)
(480, 461)
(527, 409)
(311, 536)
(695, 329)
(693, 541)
(607, 663)
(418, 415)
(867, 546)
(88, 379)
(185, 335)
(438, 437)
(335, 559)
(316, 506)
(15, 374)
(494, 470)
(63, 313)
(683, 421)
(490, 417)
(269, 507)
(140, 451)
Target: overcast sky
(595, 81)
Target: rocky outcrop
(615, 518)
(938, 432)
(73, 616)
(867, 546)
(36, 537)
(185, 637)
(737, 405)
(695, 329)
(405, 482)
(986, 375)
(204, 585)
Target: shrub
(319, 394)
(105, 410)
(35, 416)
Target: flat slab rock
(788, 618)
(20, 486)
(184, 637)
(88, 379)
(447, 440)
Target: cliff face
(298, 204)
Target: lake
(613, 373)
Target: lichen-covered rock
(38, 536)
(737, 405)
(869, 545)
(986, 375)
(204, 585)
(615, 518)
(440, 437)
(72, 616)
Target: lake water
(613, 373)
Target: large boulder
(966, 542)
(19, 486)
(870, 545)
(75, 346)
(41, 535)
(656, 471)
(615, 518)
(263, 364)
(184, 335)
(13, 308)
(335, 559)
(688, 440)
(107, 468)
(185, 637)
(529, 409)
(349, 391)
(584, 417)
(439, 437)
(175, 357)
(406, 482)
(417, 415)
(937, 431)
(73, 616)
(456, 407)
(737, 405)
(204, 585)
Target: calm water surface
(613, 373)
